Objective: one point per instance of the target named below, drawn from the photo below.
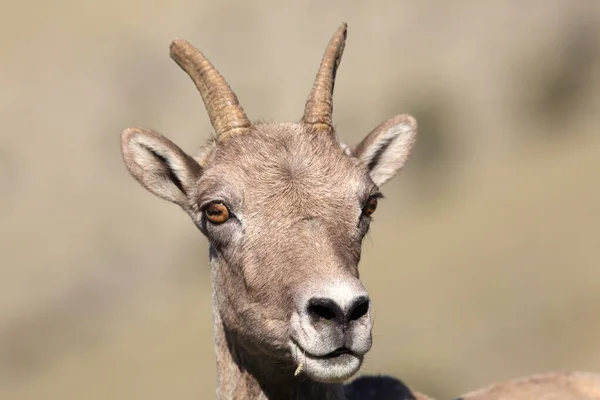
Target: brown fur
(296, 198)
(550, 386)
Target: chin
(328, 369)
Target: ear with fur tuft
(386, 149)
(159, 165)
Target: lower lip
(336, 367)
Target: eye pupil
(217, 213)
(371, 206)
(214, 211)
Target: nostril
(360, 309)
(321, 312)
(322, 309)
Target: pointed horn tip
(179, 45)
(339, 37)
(178, 42)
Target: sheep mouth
(339, 352)
(334, 354)
(335, 366)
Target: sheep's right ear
(159, 164)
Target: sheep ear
(159, 164)
(385, 150)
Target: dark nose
(327, 309)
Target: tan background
(483, 262)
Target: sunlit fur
(295, 196)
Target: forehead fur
(287, 162)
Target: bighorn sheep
(285, 207)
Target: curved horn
(319, 105)
(224, 111)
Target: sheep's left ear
(385, 150)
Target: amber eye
(371, 206)
(217, 213)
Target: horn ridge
(319, 105)
(226, 115)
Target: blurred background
(484, 259)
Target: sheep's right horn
(225, 113)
